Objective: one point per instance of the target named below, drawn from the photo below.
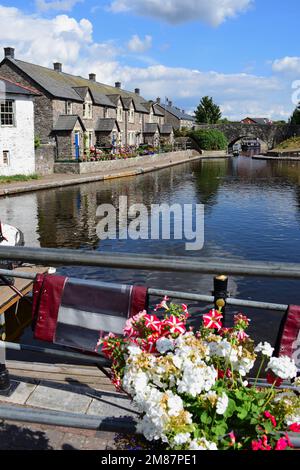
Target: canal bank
(78, 173)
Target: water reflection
(251, 212)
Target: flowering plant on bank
(191, 388)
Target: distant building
(175, 116)
(249, 120)
(17, 153)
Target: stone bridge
(270, 135)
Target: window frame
(7, 113)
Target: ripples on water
(252, 212)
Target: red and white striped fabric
(288, 343)
(75, 312)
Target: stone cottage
(17, 154)
(78, 113)
(174, 116)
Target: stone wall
(44, 159)
(170, 158)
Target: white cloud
(70, 41)
(213, 12)
(287, 65)
(58, 5)
(136, 44)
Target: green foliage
(295, 118)
(37, 142)
(212, 139)
(290, 144)
(15, 178)
(207, 111)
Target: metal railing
(63, 257)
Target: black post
(5, 385)
(220, 292)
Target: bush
(210, 139)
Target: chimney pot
(118, 84)
(137, 91)
(92, 77)
(9, 52)
(170, 103)
(158, 100)
(57, 66)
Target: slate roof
(259, 120)
(106, 125)
(150, 128)
(178, 113)
(66, 122)
(158, 112)
(166, 129)
(127, 102)
(15, 88)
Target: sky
(243, 53)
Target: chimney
(170, 103)
(118, 84)
(92, 77)
(57, 66)
(158, 100)
(9, 52)
(183, 111)
(137, 91)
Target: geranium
(190, 387)
(212, 320)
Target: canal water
(252, 212)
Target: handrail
(68, 257)
(177, 295)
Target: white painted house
(17, 154)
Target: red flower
(283, 443)
(294, 427)
(175, 325)
(153, 323)
(212, 320)
(268, 415)
(273, 380)
(262, 444)
(240, 318)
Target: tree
(207, 112)
(295, 118)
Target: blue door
(77, 147)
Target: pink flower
(153, 323)
(241, 335)
(212, 320)
(163, 304)
(262, 444)
(295, 427)
(232, 438)
(283, 443)
(241, 319)
(268, 415)
(175, 325)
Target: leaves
(207, 112)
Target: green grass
(16, 178)
(290, 144)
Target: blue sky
(244, 53)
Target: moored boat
(10, 236)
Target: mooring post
(220, 292)
(5, 385)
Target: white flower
(283, 367)
(181, 438)
(291, 419)
(265, 348)
(202, 444)
(164, 345)
(175, 404)
(196, 379)
(222, 404)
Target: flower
(268, 415)
(163, 304)
(222, 404)
(265, 348)
(283, 367)
(241, 321)
(164, 345)
(202, 444)
(181, 438)
(153, 323)
(212, 320)
(273, 380)
(262, 444)
(283, 443)
(295, 427)
(175, 325)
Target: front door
(77, 145)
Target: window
(141, 118)
(131, 116)
(151, 117)
(69, 107)
(120, 113)
(88, 110)
(7, 113)
(5, 158)
(105, 113)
